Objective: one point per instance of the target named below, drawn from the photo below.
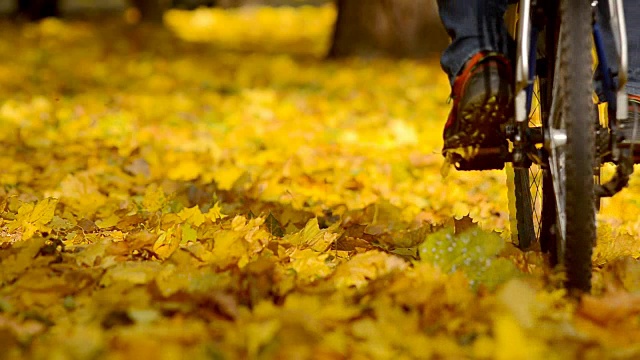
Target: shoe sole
(479, 127)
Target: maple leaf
(215, 213)
(225, 177)
(612, 308)
(310, 265)
(168, 241)
(154, 198)
(362, 268)
(185, 170)
(111, 221)
(82, 193)
(274, 226)
(34, 217)
(192, 216)
(312, 236)
(131, 272)
(512, 341)
(239, 244)
(473, 251)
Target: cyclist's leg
(474, 26)
(632, 17)
(480, 74)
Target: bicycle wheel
(532, 208)
(571, 133)
(532, 204)
(526, 197)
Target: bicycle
(557, 148)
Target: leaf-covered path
(161, 199)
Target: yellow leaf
(226, 176)
(260, 334)
(91, 253)
(168, 242)
(312, 236)
(185, 170)
(310, 265)
(154, 198)
(403, 132)
(143, 316)
(362, 268)
(108, 222)
(32, 218)
(512, 342)
(137, 273)
(215, 213)
(82, 193)
(229, 247)
(519, 298)
(189, 234)
(192, 216)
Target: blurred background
(395, 28)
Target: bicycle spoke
(536, 200)
(538, 205)
(556, 160)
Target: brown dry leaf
(22, 331)
(610, 308)
(463, 224)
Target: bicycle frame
(525, 72)
(614, 93)
(620, 36)
(558, 150)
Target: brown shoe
(482, 101)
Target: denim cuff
(459, 52)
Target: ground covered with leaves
(165, 199)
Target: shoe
(482, 101)
(626, 127)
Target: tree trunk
(151, 10)
(407, 28)
(275, 3)
(37, 9)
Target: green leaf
(274, 226)
(188, 233)
(474, 252)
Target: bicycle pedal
(484, 159)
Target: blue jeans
(478, 25)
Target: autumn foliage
(168, 199)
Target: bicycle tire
(573, 155)
(531, 204)
(534, 209)
(525, 232)
(529, 198)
